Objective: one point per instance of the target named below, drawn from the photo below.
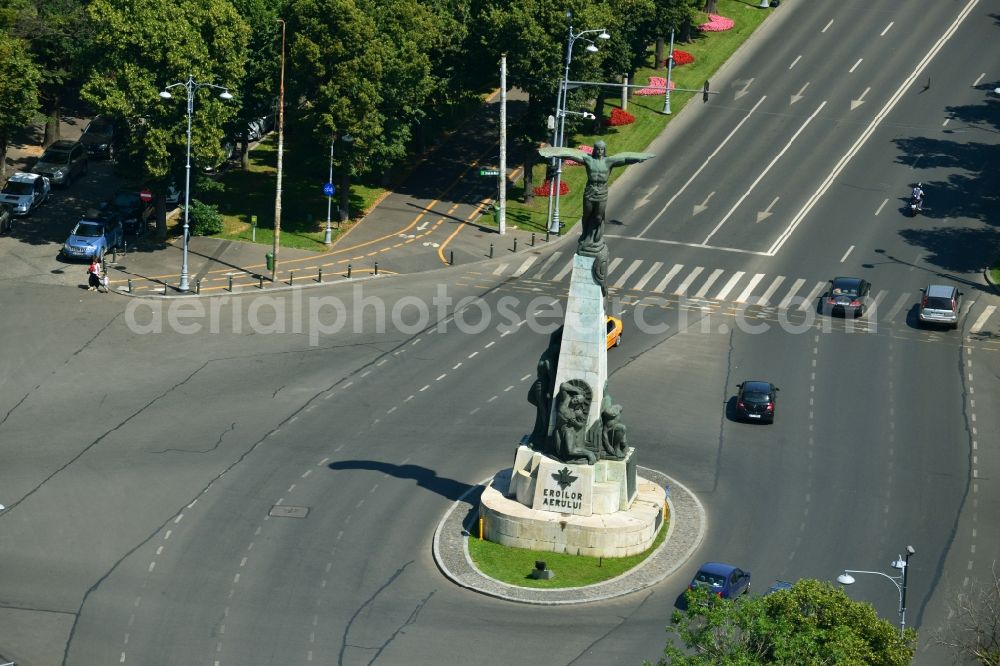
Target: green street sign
(489, 172)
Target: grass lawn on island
(995, 274)
(710, 51)
(512, 565)
(303, 205)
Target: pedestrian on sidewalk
(93, 274)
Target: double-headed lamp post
(561, 112)
(903, 564)
(190, 86)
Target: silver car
(940, 305)
(62, 162)
(24, 192)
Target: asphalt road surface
(244, 481)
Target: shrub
(205, 219)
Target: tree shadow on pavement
(425, 478)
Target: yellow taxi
(614, 332)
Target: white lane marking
(851, 70)
(649, 275)
(738, 250)
(472, 354)
(490, 344)
(946, 121)
(547, 265)
(666, 278)
(742, 298)
(765, 299)
(866, 134)
(810, 300)
(628, 273)
(881, 206)
(978, 326)
(795, 62)
(844, 258)
(700, 168)
(766, 213)
(897, 306)
(683, 286)
(525, 266)
(614, 264)
(763, 173)
(791, 294)
(500, 269)
(456, 366)
(855, 103)
(728, 287)
(424, 388)
(878, 300)
(708, 283)
(827, 26)
(886, 29)
(978, 79)
(566, 269)
(441, 377)
(798, 96)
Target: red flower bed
(682, 58)
(546, 187)
(619, 117)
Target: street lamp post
(328, 236)
(190, 86)
(561, 103)
(903, 564)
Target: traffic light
(704, 92)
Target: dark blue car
(722, 580)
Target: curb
(687, 529)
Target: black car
(128, 207)
(99, 137)
(6, 218)
(847, 295)
(756, 401)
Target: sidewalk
(429, 221)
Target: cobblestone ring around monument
(684, 534)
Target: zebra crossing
(781, 292)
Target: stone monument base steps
(509, 522)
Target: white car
(25, 192)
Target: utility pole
(281, 147)
(502, 203)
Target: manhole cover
(289, 511)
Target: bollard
(197, 287)
(348, 271)
(130, 285)
(532, 239)
(260, 284)
(546, 235)
(451, 258)
(230, 283)
(291, 277)
(114, 255)
(515, 243)
(480, 529)
(491, 250)
(319, 278)
(376, 268)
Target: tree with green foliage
(18, 92)
(811, 624)
(142, 46)
(258, 85)
(58, 33)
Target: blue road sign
(328, 189)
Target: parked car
(723, 580)
(130, 209)
(228, 148)
(940, 305)
(614, 332)
(259, 127)
(94, 236)
(756, 401)
(6, 218)
(62, 162)
(778, 586)
(25, 192)
(848, 295)
(99, 136)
